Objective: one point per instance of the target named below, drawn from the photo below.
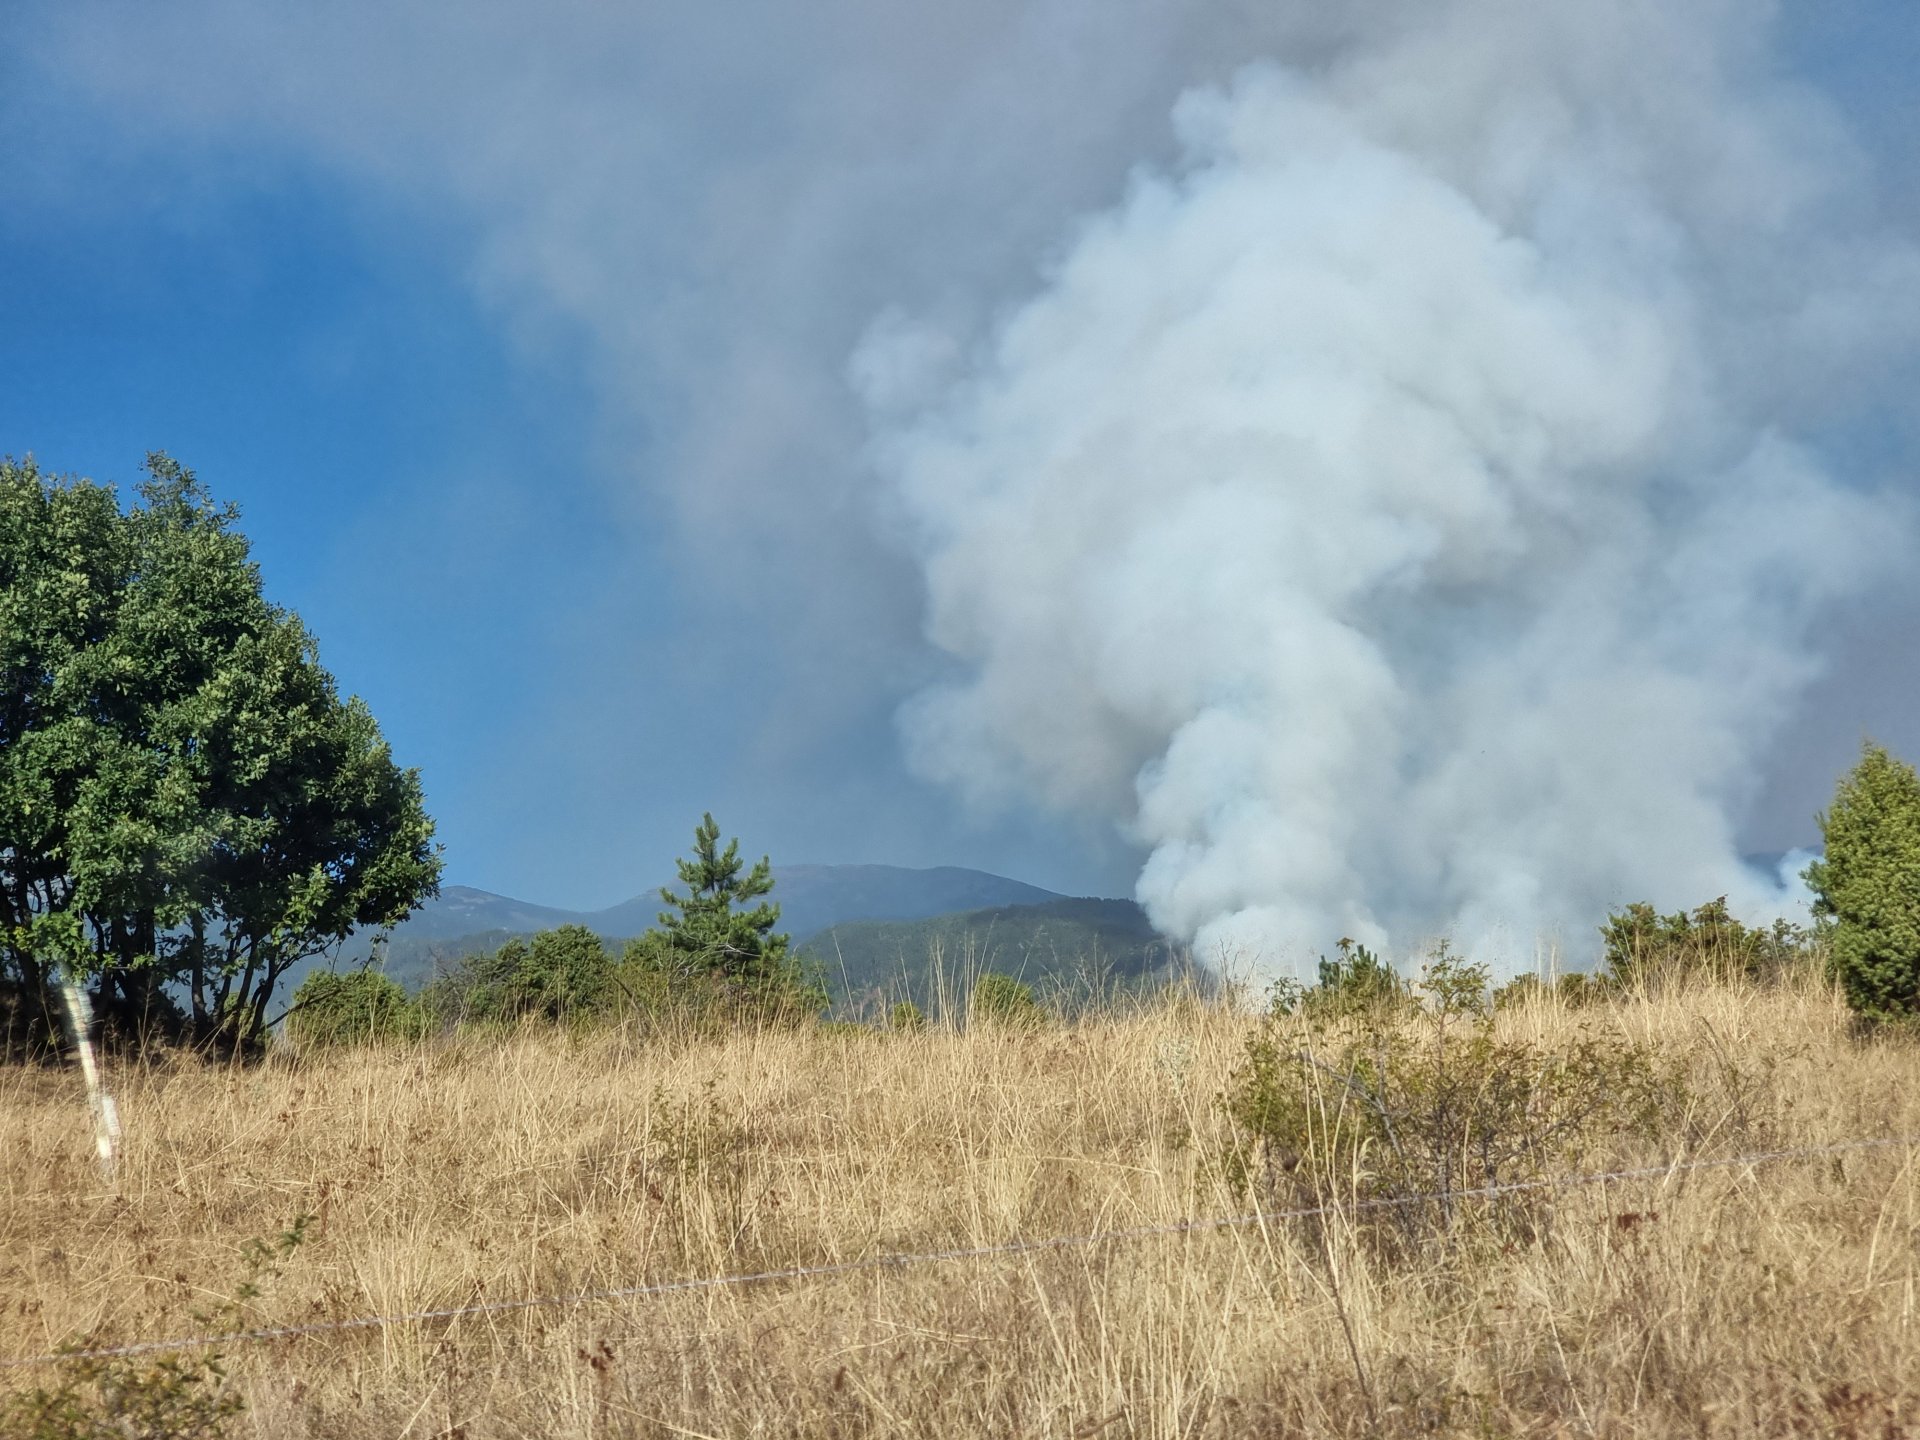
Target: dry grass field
(1750, 1300)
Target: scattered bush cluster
(712, 958)
(1646, 948)
(358, 1007)
(1403, 1103)
(557, 975)
(168, 1397)
(1645, 951)
(1003, 1001)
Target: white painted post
(106, 1119)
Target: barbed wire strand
(907, 1259)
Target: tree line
(189, 807)
(714, 956)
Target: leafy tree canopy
(185, 799)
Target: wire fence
(897, 1260)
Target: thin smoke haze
(1395, 515)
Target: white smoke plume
(1405, 515)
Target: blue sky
(436, 481)
(476, 321)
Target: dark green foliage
(29, 1011)
(356, 1007)
(712, 930)
(715, 959)
(1868, 885)
(658, 988)
(1572, 989)
(1004, 1001)
(1647, 948)
(1402, 1107)
(1358, 982)
(1645, 951)
(716, 945)
(560, 974)
(184, 797)
(906, 1017)
(172, 1398)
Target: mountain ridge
(813, 899)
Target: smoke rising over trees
(1395, 515)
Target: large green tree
(187, 805)
(1868, 884)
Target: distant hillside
(463, 920)
(461, 910)
(1073, 945)
(812, 897)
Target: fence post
(106, 1118)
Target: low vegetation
(1410, 1107)
(1026, 1190)
(1753, 1298)
(715, 959)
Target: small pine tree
(705, 931)
(1868, 885)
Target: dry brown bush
(1776, 1300)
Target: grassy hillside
(1762, 1299)
(1074, 947)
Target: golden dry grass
(1779, 1300)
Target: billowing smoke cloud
(1398, 516)
(1408, 508)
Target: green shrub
(1402, 1108)
(1571, 988)
(659, 985)
(1868, 885)
(352, 1008)
(714, 962)
(907, 1017)
(1520, 991)
(1002, 1000)
(1359, 982)
(563, 974)
(172, 1398)
(1644, 948)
